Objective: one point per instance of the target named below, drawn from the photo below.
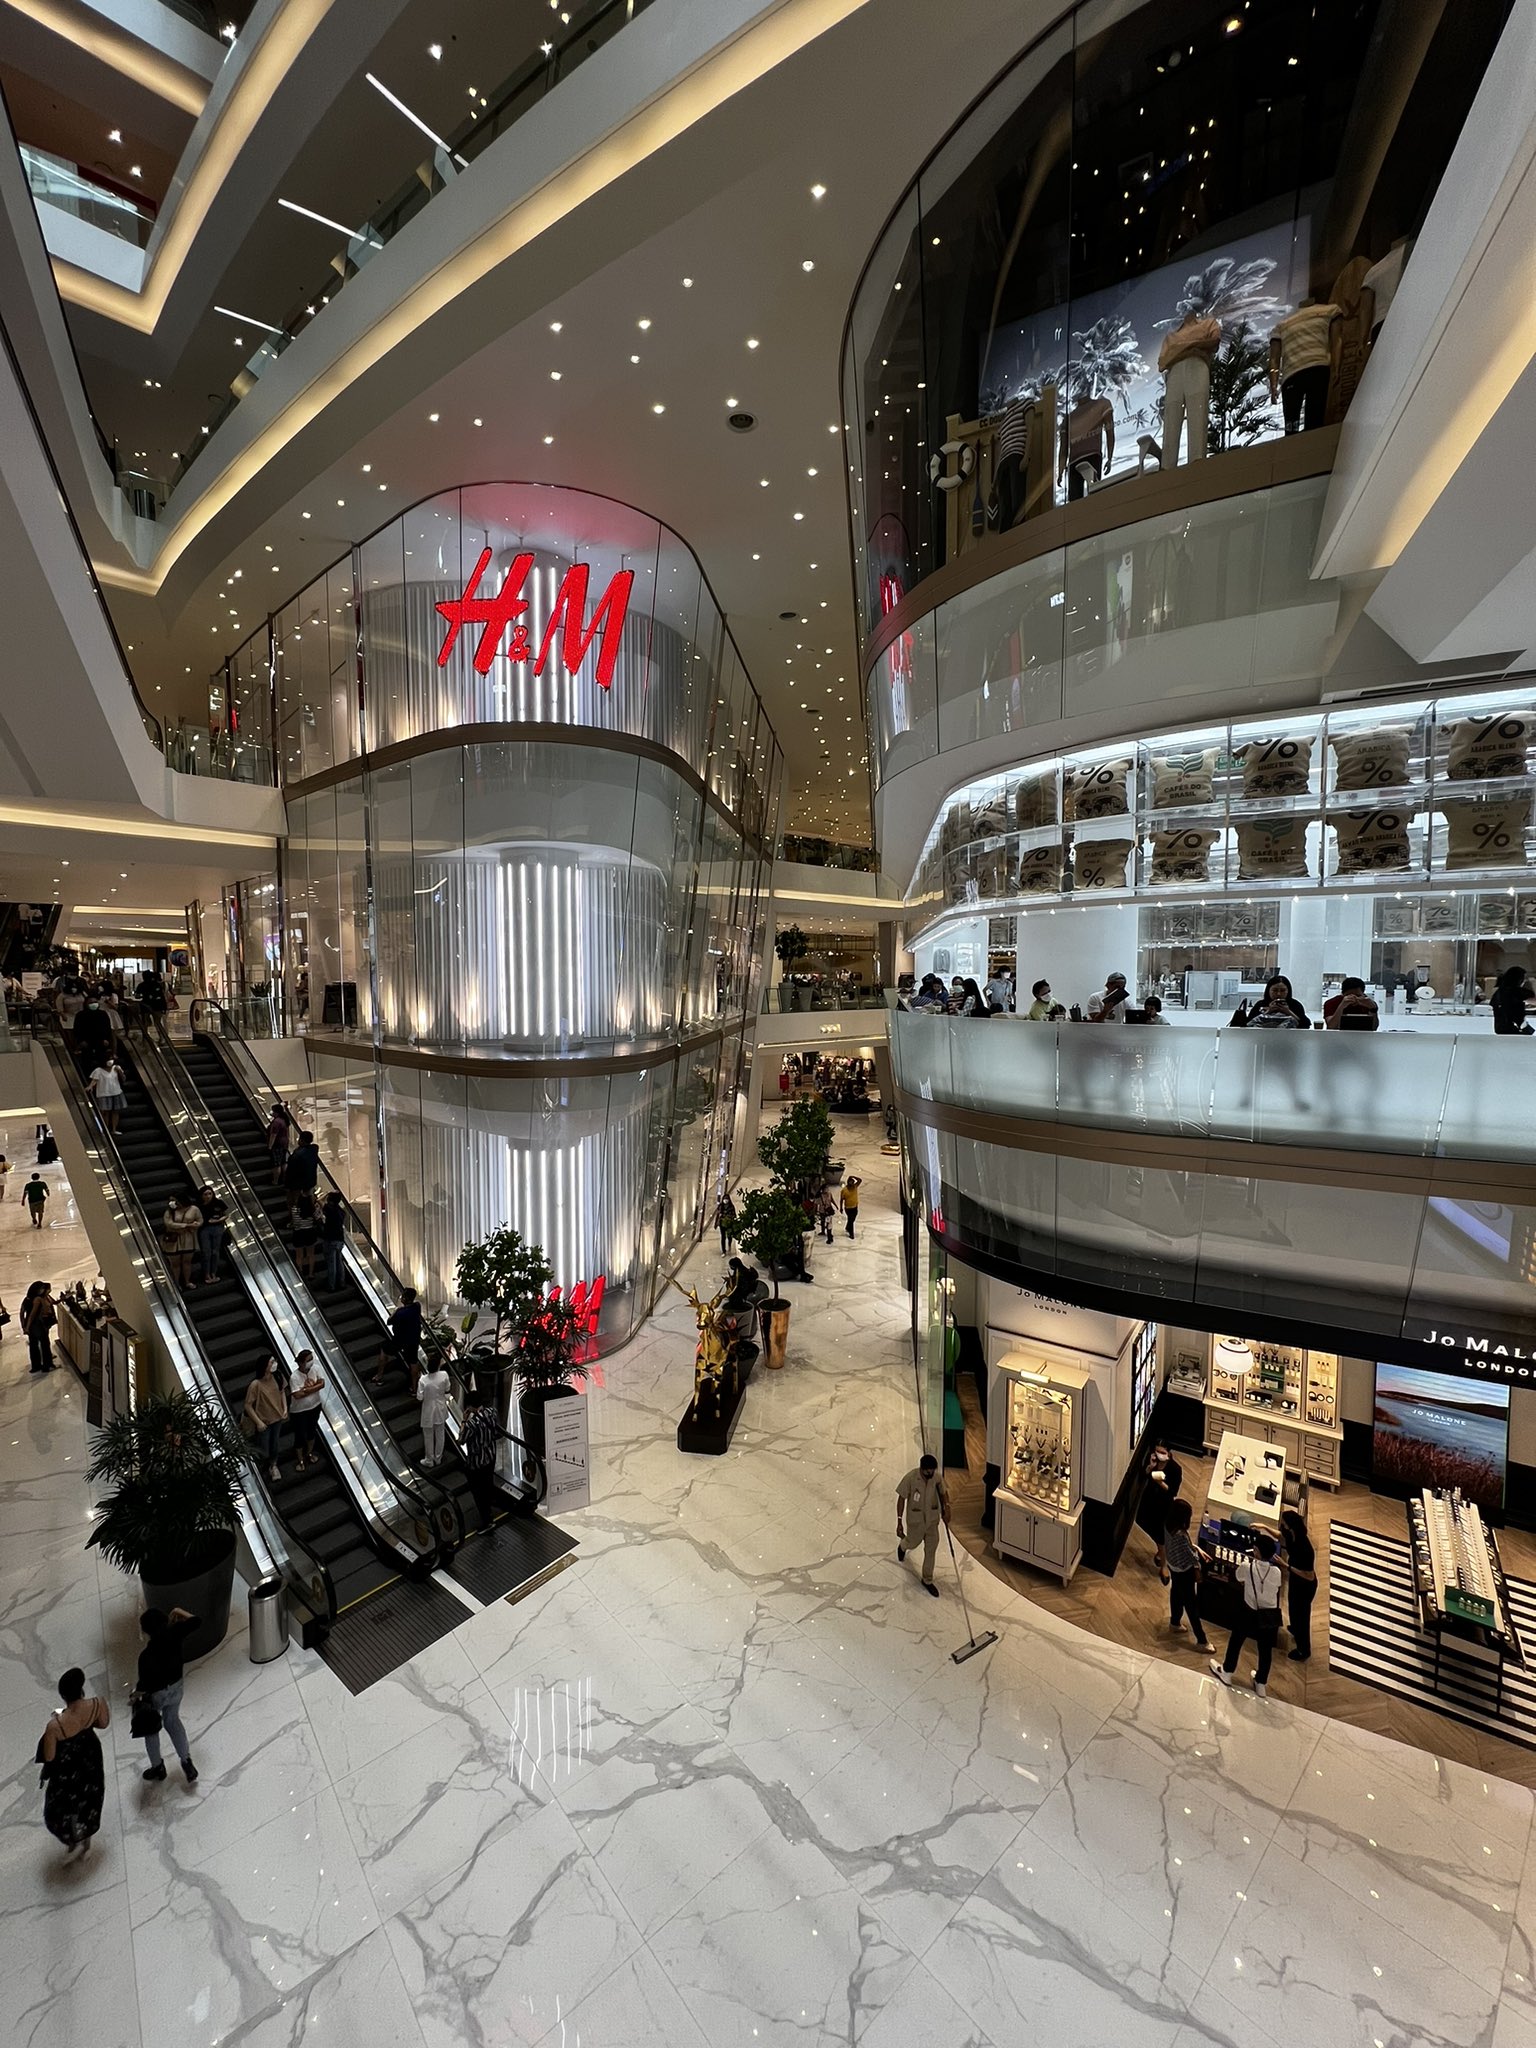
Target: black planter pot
(530, 1407)
(205, 1593)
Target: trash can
(267, 1606)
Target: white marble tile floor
(721, 1783)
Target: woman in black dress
(74, 1777)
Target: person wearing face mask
(1160, 1489)
(1278, 1003)
(93, 1035)
(1043, 1010)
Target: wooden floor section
(1132, 1608)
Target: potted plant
(789, 944)
(796, 1149)
(532, 1339)
(176, 1464)
(770, 1224)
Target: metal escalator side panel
(269, 1543)
(400, 1506)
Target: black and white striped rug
(1373, 1635)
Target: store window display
(1090, 275)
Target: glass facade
(532, 805)
(1168, 231)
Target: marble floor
(721, 1783)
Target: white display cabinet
(1281, 1395)
(1038, 1505)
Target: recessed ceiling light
(643, 325)
(367, 467)
(554, 376)
(810, 472)
(303, 515)
(434, 417)
(549, 440)
(435, 52)
(757, 558)
(818, 191)
(687, 284)
(751, 344)
(634, 359)
(134, 171)
(115, 135)
(479, 423)
(799, 515)
(658, 408)
(807, 264)
(555, 326)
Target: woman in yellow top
(851, 1188)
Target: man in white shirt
(1109, 1005)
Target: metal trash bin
(267, 1607)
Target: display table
(1459, 1585)
(1247, 1467)
(1289, 1400)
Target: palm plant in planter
(770, 1224)
(532, 1339)
(176, 1464)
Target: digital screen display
(1432, 1430)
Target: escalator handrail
(194, 1369)
(425, 1503)
(263, 1094)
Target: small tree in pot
(177, 1467)
(770, 1225)
(532, 1339)
(796, 1149)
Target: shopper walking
(432, 1392)
(5, 1167)
(210, 1234)
(1184, 1555)
(178, 1232)
(35, 1195)
(38, 1316)
(826, 1210)
(161, 1682)
(304, 1411)
(265, 1411)
(402, 1346)
(106, 1082)
(279, 1128)
(1301, 1583)
(922, 1505)
(1258, 1580)
(1164, 1478)
(333, 1237)
(74, 1776)
(725, 1222)
(850, 1201)
(477, 1447)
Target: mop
(973, 1642)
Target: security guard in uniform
(921, 1505)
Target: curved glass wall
(1439, 1242)
(532, 803)
(1168, 231)
(576, 611)
(1213, 600)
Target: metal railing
(272, 1545)
(71, 188)
(490, 119)
(789, 996)
(411, 1512)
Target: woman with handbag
(1258, 1580)
(157, 1693)
(264, 1413)
(74, 1776)
(1183, 1555)
(178, 1233)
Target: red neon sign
(496, 615)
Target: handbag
(146, 1717)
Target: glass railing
(1463, 1096)
(791, 996)
(57, 182)
(194, 750)
(579, 39)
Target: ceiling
(723, 247)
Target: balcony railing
(792, 996)
(525, 89)
(68, 186)
(1460, 1096)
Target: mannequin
(1185, 360)
(1087, 437)
(1303, 359)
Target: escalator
(353, 1317)
(325, 1507)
